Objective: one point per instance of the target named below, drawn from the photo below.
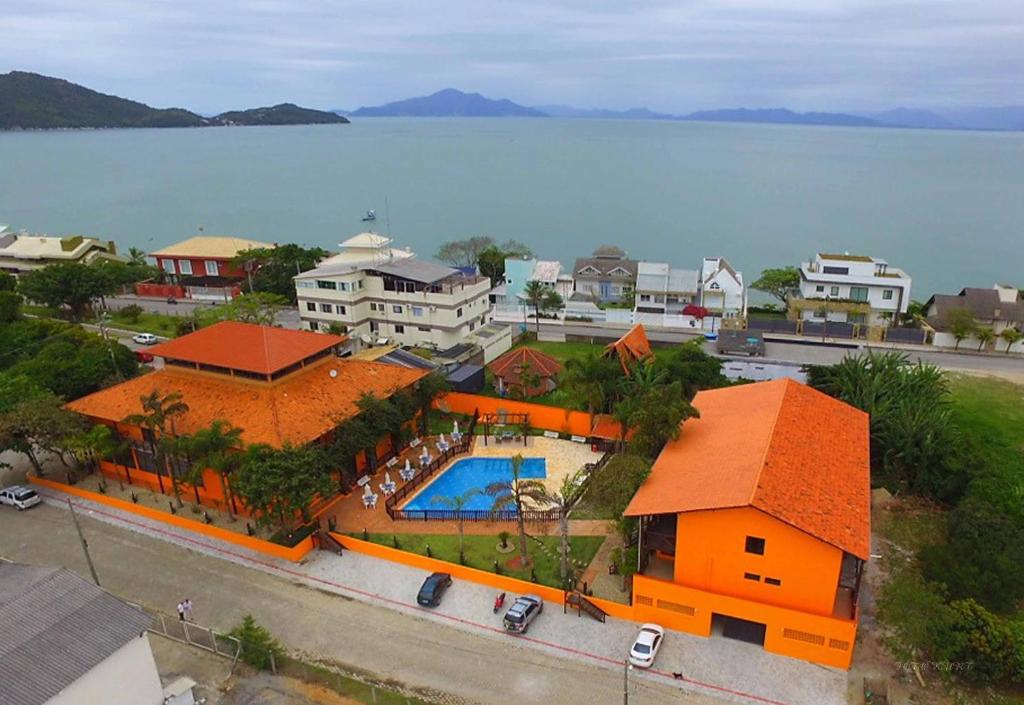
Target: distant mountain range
(454, 103)
(32, 101)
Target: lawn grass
(990, 413)
(147, 322)
(481, 551)
(564, 351)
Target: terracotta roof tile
(631, 347)
(246, 346)
(791, 451)
(298, 408)
(508, 366)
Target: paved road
(428, 655)
(287, 318)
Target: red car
(143, 356)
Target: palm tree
(985, 336)
(458, 503)
(157, 412)
(541, 297)
(916, 311)
(424, 392)
(589, 379)
(513, 494)
(136, 256)
(100, 442)
(179, 451)
(1011, 336)
(563, 501)
(961, 325)
(217, 448)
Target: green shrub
(258, 646)
(130, 313)
(983, 558)
(979, 646)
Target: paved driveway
(459, 648)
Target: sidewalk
(721, 668)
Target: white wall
(126, 677)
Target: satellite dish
(333, 373)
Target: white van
(20, 497)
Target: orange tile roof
(782, 447)
(246, 346)
(631, 347)
(608, 428)
(509, 365)
(298, 408)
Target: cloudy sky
(211, 55)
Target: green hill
(283, 114)
(33, 102)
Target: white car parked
(145, 339)
(645, 646)
(20, 497)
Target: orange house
(279, 386)
(755, 522)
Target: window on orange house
(755, 545)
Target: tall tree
(38, 423)
(779, 282)
(590, 380)
(961, 325)
(219, 448)
(658, 416)
(271, 269)
(159, 412)
(464, 253)
(514, 493)
(458, 503)
(985, 335)
(282, 484)
(424, 392)
(541, 297)
(491, 260)
(1011, 336)
(69, 284)
(260, 308)
(563, 500)
(136, 256)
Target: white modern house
(722, 291)
(405, 301)
(65, 641)
(851, 289)
(661, 288)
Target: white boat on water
(370, 215)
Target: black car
(433, 588)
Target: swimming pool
(469, 473)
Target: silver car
(645, 646)
(522, 613)
(20, 497)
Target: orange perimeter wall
(788, 632)
(294, 554)
(210, 493)
(548, 418)
(499, 582)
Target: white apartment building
(661, 288)
(722, 290)
(367, 248)
(404, 301)
(851, 289)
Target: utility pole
(85, 544)
(102, 319)
(625, 681)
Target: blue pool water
(470, 473)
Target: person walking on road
(181, 611)
(187, 604)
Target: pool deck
(563, 458)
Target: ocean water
(474, 473)
(947, 206)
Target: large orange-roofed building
(278, 386)
(755, 522)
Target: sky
(672, 56)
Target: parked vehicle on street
(145, 339)
(433, 589)
(521, 614)
(171, 300)
(646, 644)
(19, 497)
(143, 356)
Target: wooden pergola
(504, 419)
